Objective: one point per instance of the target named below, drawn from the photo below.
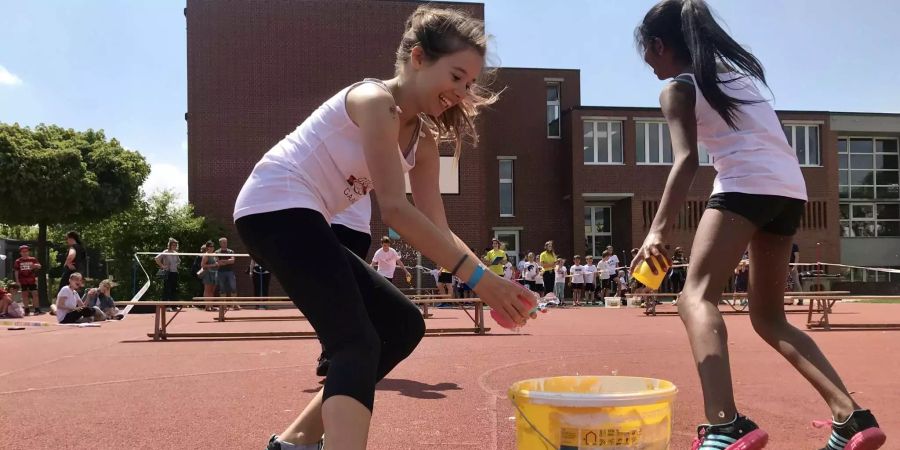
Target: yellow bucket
(593, 413)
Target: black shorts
(606, 284)
(771, 213)
(577, 286)
(29, 287)
(445, 277)
(589, 287)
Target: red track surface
(111, 388)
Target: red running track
(112, 388)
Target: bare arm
(379, 122)
(677, 102)
(70, 259)
(226, 261)
(426, 192)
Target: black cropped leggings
(365, 323)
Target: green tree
(146, 226)
(58, 175)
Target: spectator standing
(209, 271)
(26, 267)
(76, 259)
(531, 272)
(548, 263)
(261, 278)
(225, 279)
(168, 262)
(496, 258)
(560, 276)
(795, 274)
(386, 260)
(678, 274)
(590, 279)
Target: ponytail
(708, 43)
(691, 30)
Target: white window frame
(595, 233)
(555, 103)
(874, 219)
(511, 253)
(643, 146)
(511, 184)
(874, 170)
(701, 152)
(793, 125)
(609, 142)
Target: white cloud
(167, 176)
(184, 145)
(7, 78)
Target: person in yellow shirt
(548, 261)
(495, 258)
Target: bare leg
(722, 237)
(209, 290)
(767, 315)
(307, 427)
(343, 419)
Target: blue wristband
(476, 277)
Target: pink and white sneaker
(859, 432)
(739, 434)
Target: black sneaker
(322, 367)
(859, 432)
(740, 434)
(275, 444)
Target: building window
(509, 241)
(870, 219)
(506, 188)
(805, 141)
(597, 229)
(868, 168)
(705, 159)
(602, 142)
(654, 145)
(553, 91)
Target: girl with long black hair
(758, 199)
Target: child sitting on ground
(9, 306)
(101, 299)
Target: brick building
(547, 166)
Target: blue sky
(121, 65)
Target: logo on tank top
(358, 188)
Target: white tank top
(319, 166)
(754, 159)
(357, 217)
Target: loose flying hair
(441, 32)
(691, 30)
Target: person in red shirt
(26, 267)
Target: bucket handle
(547, 442)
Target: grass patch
(894, 301)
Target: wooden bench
(161, 322)
(826, 303)
(285, 301)
(816, 298)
